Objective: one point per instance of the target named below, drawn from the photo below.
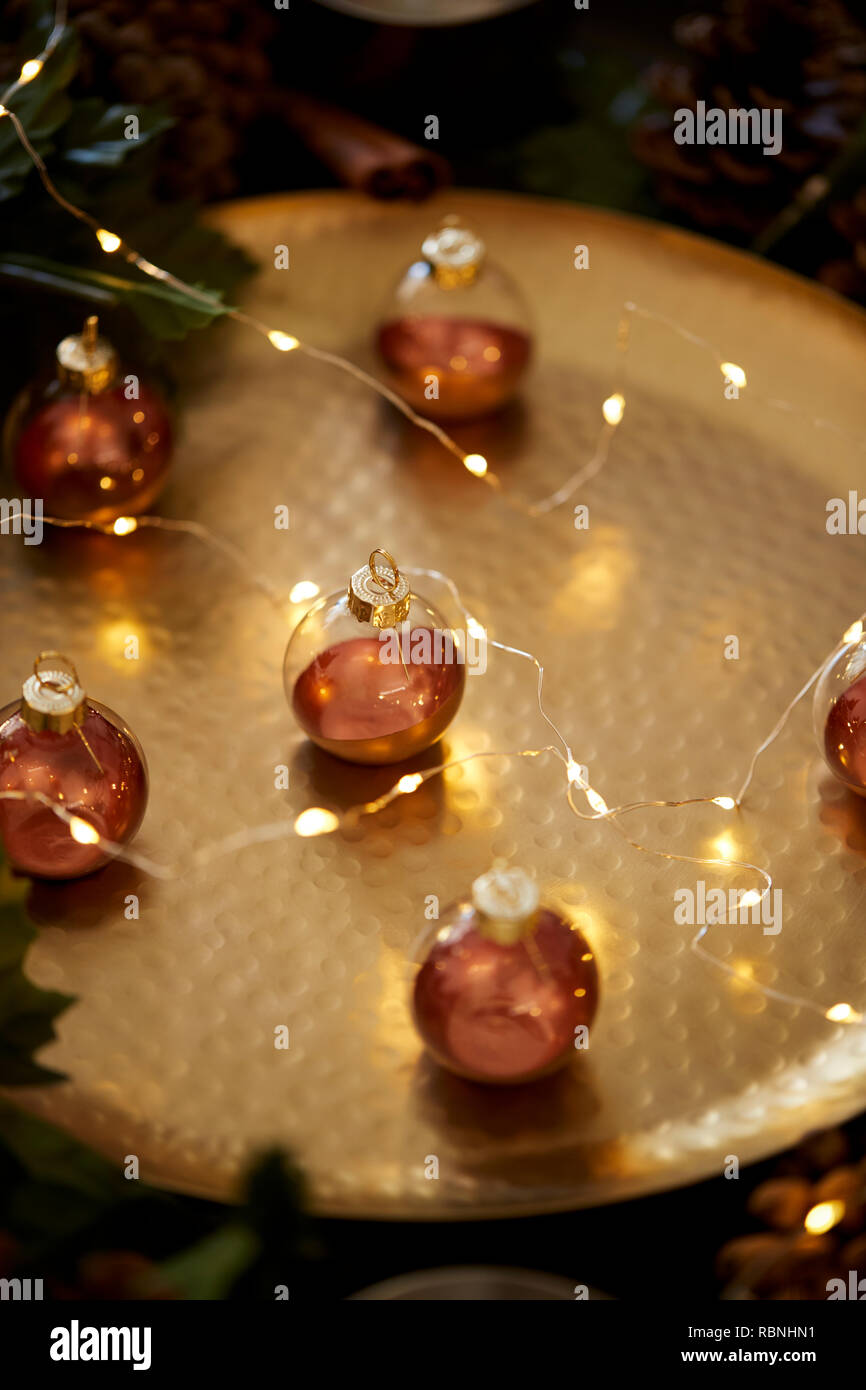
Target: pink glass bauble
(477, 365)
(374, 679)
(81, 446)
(502, 998)
(455, 333)
(94, 769)
(840, 715)
(350, 702)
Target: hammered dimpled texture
(706, 524)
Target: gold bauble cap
(507, 900)
(86, 362)
(378, 593)
(455, 253)
(52, 698)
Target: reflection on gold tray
(707, 522)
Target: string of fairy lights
(612, 409)
(315, 821)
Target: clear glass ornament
(508, 988)
(839, 714)
(374, 673)
(59, 746)
(78, 441)
(454, 336)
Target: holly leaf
(587, 161)
(27, 1013)
(275, 1197)
(41, 106)
(96, 135)
(54, 1159)
(208, 1269)
(162, 310)
(587, 157)
(53, 1187)
(95, 167)
(257, 1247)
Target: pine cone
(847, 273)
(206, 63)
(805, 57)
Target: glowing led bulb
(613, 408)
(597, 802)
(304, 589)
(824, 1217)
(476, 464)
(124, 525)
(854, 632)
(731, 372)
(842, 1013)
(83, 832)
(725, 846)
(283, 342)
(727, 803)
(107, 240)
(31, 69)
(751, 898)
(315, 821)
(410, 782)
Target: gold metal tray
(708, 521)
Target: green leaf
(269, 1226)
(95, 135)
(275, 1197)
(162, 309)
(54, 1187)
(27, 1013)
(41, 106)
(54, 1159)
(587, 161)
(208, 1269)
(588, 157)
(95, 168)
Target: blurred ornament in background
(508, 987)
(424, 11)
(59, 746)
(455, 334)
(374, 673)
(839, 714)
(91, 445)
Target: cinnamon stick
(363, 155)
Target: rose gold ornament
(507, 985)
(839, 714)
(81, 444)
(455, 334)
(374, 674)
(57, 747)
